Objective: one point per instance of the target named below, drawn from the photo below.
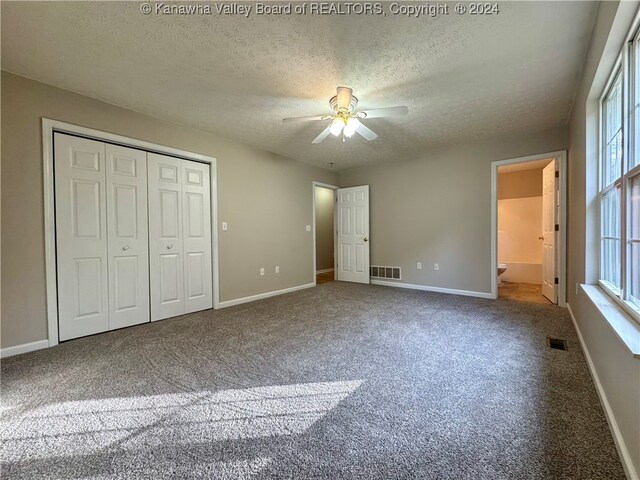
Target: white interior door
(353, 234)
(165, 236)
(81, 236)
(196, 201)
(128, 244)
(549, 221)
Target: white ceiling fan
(345, 120)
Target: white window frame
(603, 190)
(625, 67)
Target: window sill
(625, 327)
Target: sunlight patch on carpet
(85, 427)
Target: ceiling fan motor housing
(334, 104)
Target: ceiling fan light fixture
(352, 125)
(337, 126)
(345, 120)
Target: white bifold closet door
(128, 238)
(180, 236)
(101, 236)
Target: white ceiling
(462, 77)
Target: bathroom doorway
(528, 229)
(324, 203)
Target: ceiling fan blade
(323, 135)
(366, 132)
(383, 112)
(344, 97)
(312, 118)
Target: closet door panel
(128, 244)
(166, 262)
(81, 236)
(196, 194)
(170, 278)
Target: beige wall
(325, 202)
(519, 226)
(266, 200)
(617, 369)
(520, 184)
(437, 209)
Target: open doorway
(529, 232)
(324, 204)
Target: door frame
(49, 127)
(315, 184)
(561, 256)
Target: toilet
(502, 267)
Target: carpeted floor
(338, 381)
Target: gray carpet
(338, 381)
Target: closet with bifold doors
(179, 236)
(133, 236)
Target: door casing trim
(561, 257)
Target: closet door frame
(50, 126)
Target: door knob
(169, 247)
(366, 239)
(126, 247)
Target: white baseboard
(260, 296)
(453, 291)
(629, 469)
(24, 348)
(326, 270)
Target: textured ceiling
(462, 77)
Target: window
(634, 241)
(620, 182)
(610, 172)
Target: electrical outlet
(308, 228)
(419, 265)
(277, 269)
(261, 271)
(225, 227)
(436, 266)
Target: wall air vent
(393, 273)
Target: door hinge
(557, 174)
(557, 228)
(555, 281)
